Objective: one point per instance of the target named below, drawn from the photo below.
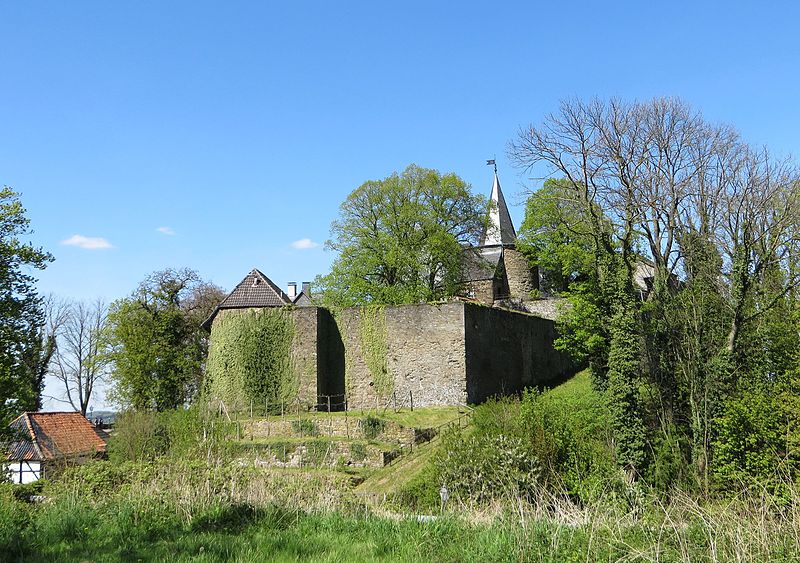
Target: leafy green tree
(401, 239)
(556, 236)
(156, 344)
(40, 350)
(21, 315)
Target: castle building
(426, 354)
(496, 272)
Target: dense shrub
(146, 435)
(305, 427)
(240, 369)
(756, 435)
(138, 435)
(372, 427)
(569, 434)
(485, 466)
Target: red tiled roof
(54, 435)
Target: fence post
(251, 409)
(394, 398)
(411, 396)
(329, 404)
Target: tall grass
(230, 512)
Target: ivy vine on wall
(374, 348)
(250, 357)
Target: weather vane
(492, 162)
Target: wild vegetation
(675, 243)
(528, 480)
(240, 369)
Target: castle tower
(505, 272)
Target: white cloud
(304, 244)
(89, 243)
(166, 231)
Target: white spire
(500, 229)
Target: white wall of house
(23, 471)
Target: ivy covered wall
(393, 353)
(441, 354)
(262, 355)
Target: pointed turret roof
(500, 229)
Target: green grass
(426, 417)
(577, 389)
(392, 478)
(72, 529)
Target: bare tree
(658, 170)
(760, 235)
(80, 362)
(703, 206)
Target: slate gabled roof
(255, 291)
(53, 435)
(500, 229)
(303, 300)
(482, 263)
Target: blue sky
(239, 127)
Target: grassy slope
(576, 392)
(391, 478)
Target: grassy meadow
(194, 497)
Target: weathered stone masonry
(447, 354)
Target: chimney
(307, 288)
(292, 290)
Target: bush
(98, 479)
(568, 432)
(754, 441)
(305, 427)
(180, 433)
(138, 435)
(28, 490)
(498, 415)
(372, 427)
(484, 466)
(358, 451)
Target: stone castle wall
(305, 357)
(446, 354)
(508, 351)
(425, 356)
